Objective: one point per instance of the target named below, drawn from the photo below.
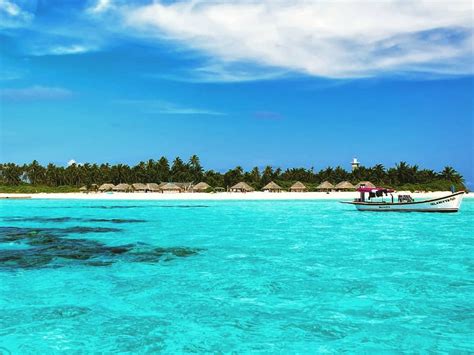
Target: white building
(355, 164)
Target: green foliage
(31, 189)
(436, 185)
(34, 177)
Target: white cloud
(100, 6)
(12, 15)
(34, 93)
(71, 162)
(325, 38)
(62, 50)
(168, 108)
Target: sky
(280, 83)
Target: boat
(376, 201)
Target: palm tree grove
(35, 177)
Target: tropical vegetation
(34, 177)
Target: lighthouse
(355, 164)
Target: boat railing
(405, 198)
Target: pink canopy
(374, 189)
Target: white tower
(355, 164)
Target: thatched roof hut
(272, 187)
(153, 187)
(170, 187)
(83, 189)
(344, 185)
(241, 187)
(106, 187)
(298, 187)
(139, 187)
(123, 188)
(325, 186)
(365, 184)
(201, 187)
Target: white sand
(218, 196)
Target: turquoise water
(214, 276)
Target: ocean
(233, 276)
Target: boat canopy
(375, 190)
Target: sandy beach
(216, 196)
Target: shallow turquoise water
(269, 276)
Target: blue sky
(238, 83)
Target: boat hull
(450, 203)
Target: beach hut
(272, 187)
(325, 186)
(139, 187)
(201, 187)
(153, 187)
(344, 186)
(106, 187)
(123, 188)
(298, 187)
(365, 184)
(83, 189)
(169, 187)
(241, 187)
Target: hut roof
(298, 186)
(122, 187)
(242, 186)
(83, 188)
(365, 183)
(345, 185)
(272, 186)
(325, 185)
(106, 187)
(169, 186)
(152, 186)
(201, 186)
(139, 186)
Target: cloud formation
(168, 108)
(34, 93)
(62, 50)
(237, 41)
(324, 38)
(100, 6)
(12, 15)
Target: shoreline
(222, 196)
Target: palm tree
(179, 170)
(448, 173)
(233, 176)
(195, 168)
(163, 169)
(35, 173)
(378, 174)
(253, 177)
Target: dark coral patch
(48, 247)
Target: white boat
(405, 203)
